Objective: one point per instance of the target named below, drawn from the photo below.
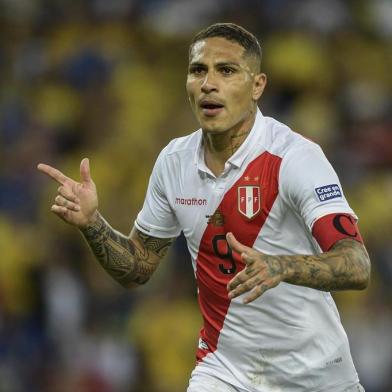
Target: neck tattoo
(235, 144)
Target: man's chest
(239, 201)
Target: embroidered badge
(249, 200)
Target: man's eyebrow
(197, 64)
(220, 64)
(227, 63)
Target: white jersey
(272, 190)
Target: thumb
(85, 171)
(236, 245)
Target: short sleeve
(310, 185)
(157, 217)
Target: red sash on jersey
(216, 263)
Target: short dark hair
(231, 32)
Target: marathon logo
(328, 192)
(191, 202)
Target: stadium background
(105, 79)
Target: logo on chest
(249, 200)
(191, 201)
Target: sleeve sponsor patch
(328, 192)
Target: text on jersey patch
(328, 192)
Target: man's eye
(227, 70)
(196, 70)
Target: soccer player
(267, 225)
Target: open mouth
(211, 108)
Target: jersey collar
(256, 137)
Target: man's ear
(260, 81)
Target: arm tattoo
(121, 257)
(159, 246)
(346, 266)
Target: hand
(76, 202)
(262, 272)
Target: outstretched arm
(129, 260)
(346, 266)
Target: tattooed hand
(262, 272)
(346, 266)
(76, 202)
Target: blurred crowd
(106, 80)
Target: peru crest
(249, 200)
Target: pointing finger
(52, 172)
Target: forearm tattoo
(126, 261)
(345, 266)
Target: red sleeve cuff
(334, 227)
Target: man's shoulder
(183, 145)
(281, 140)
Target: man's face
(222, 84)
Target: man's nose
(209, 83)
